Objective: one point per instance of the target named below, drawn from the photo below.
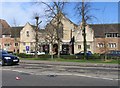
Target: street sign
(27, 48)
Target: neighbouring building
(6, 42)
(106, 37)
(9, 37)
(15, 36)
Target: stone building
(100, 37)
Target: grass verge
(111, 61)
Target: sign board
(27, 48)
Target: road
(9, 79)
(33, 74)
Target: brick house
(15, 36)
(6, 42)
(106, 36)
(9, 36)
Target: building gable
(27, 33)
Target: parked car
(112, 54)
(64, 53)
(38, 53)
(81, 54)
(8, 59)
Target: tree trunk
(85, 46)
(83, 25)
(58, 49)
(51, 51)
(36, 38)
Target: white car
(38, 53)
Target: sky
(19, 13)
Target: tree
(83, 9)
(55, 12)
(36, 35)
(50, 37)
(16, 41)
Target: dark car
(8, 59)
(64, 53)
(81, 54)
(112, 54)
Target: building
(27, 38)
(69, 31)
(15, 35)
(100, 37)
(106, 37)
(9, 37)
(6, 42)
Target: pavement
(71, 63)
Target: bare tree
(83, 10)
(55, 12)
(36, 35)
(16, 41)
(50, 37)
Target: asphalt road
(26, 79)
(46, 69)
(54, 74)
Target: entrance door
(65, 49)
(55, 48)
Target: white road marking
(46, 73)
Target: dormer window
(113, 35)
(27, 33)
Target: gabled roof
(15, 32)
(101, 29)
(63, 16)
(4, 28)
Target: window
(23, 50)
(100, 45)
(112, 45)
(31, 43)
(79, 46)
(7, 44)
(6, 36)
(16, 44)
(24, 43)
(27, 33)
(111, 35)
(88, 46)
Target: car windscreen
(3, 52)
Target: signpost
(27, 48)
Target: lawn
(76, 60)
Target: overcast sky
(23, 12)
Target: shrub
(68, 56)
(95, 56)
(23, 55)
